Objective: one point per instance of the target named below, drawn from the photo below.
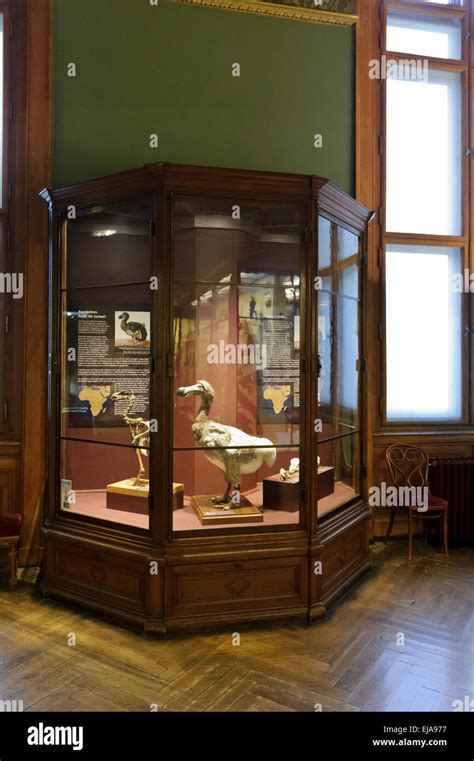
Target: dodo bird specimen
(135, 330)
(232, 450)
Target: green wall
(167, 70)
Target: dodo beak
(187, 390)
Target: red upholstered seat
(10, 525)
(436, 502)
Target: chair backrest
(408, 465)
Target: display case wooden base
(200, 582)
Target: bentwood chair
(10, 529)
(408, 466)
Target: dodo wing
(217, 435)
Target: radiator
(453, 479)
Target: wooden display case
(205, 328)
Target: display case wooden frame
(160, 580)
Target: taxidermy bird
(232, 450)
(135, 330)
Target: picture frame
(336, 12)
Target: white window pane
(423, 35)
(424, 154)
(423, 333)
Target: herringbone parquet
(402, 640)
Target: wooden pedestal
(210, 515)
(124, 495)
(281, 495)
(284, 495)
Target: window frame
(463, 67)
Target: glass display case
(340, 355)
(205, 396)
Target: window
(424, 35)
(424, 155)
(425, 235)
(423, 328)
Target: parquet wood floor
(401, 640)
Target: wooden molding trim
(368, 192)
(37, 141)
(290, 11)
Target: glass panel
(424, 36)
(199, 481)
(268, 235)
(327, 357)
(107, 338)
(324, 243)
(423, 333)
(424, 155)
(255, 333)
(338, 469)
(338, 479)
(92, 483)
(339, 259)
(110, 244)
(349, 281)
(338, 347)
(347, 242)
(237, 362)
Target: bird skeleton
(292, 470)
(139, 430)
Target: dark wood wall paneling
(28, 145)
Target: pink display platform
(93, 504)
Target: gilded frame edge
(314, 16)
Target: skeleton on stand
(139, 430)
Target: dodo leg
(235, 498)
(224, 500)
(141, 472)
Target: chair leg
(445, 533)
(410, 535)
(390, 523)
(13, 555)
